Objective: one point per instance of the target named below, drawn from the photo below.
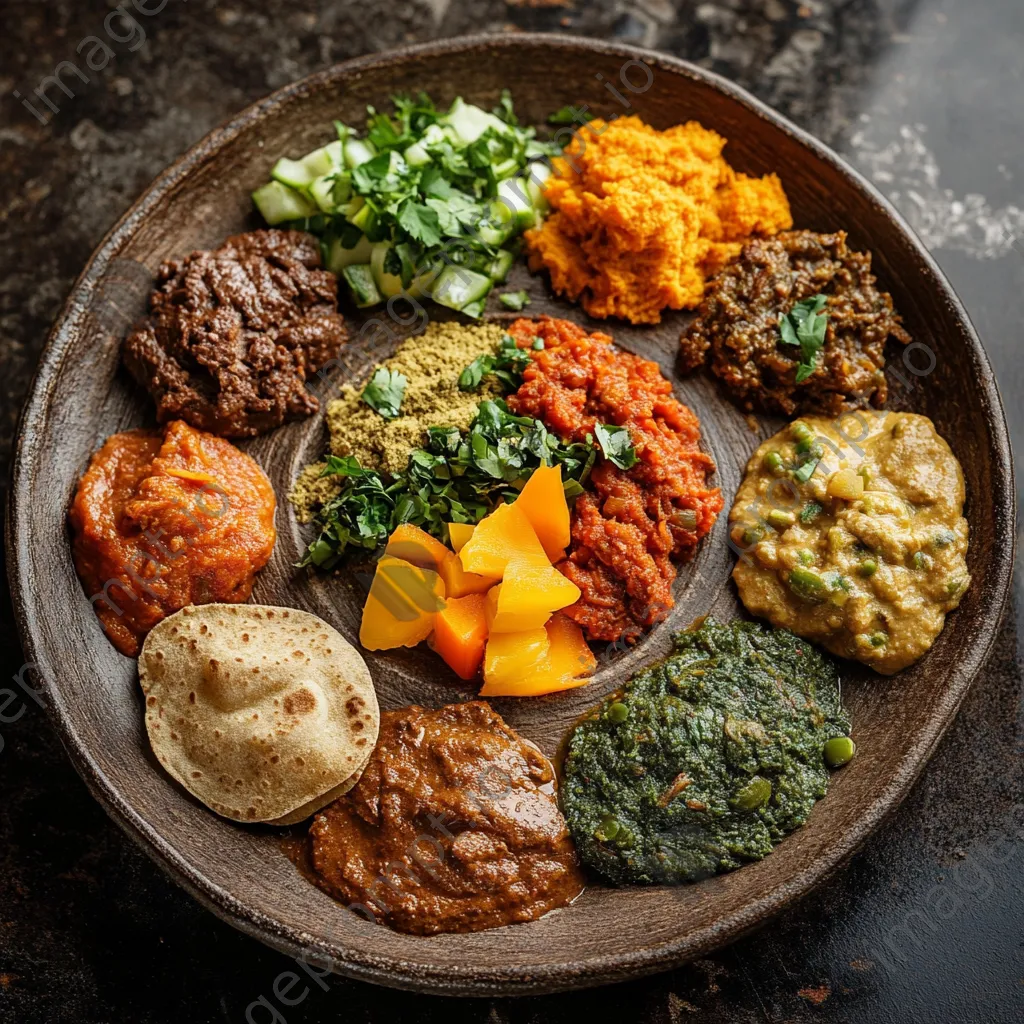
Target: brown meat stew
(737, 329)
(234, 333)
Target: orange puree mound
(165, 519)
(641, 219)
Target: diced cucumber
(416, 155)
(500, 266)
(338, 257)
(432, 135)
(331, 191)
(457, 287)
(359, 277)
(278, 203)
(321, 161)
(505, 169)
(302, 173)
(387, 284)
(363, 218)
(355, 204)
(358, 151)
(423, 283)
(334, 151)
(320, 189)
(538, 174)
(292, 173)
(497, 224)
(469, 122)
(515, 194)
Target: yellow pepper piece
(509, 657)
(459, 533)
(401, 606)
(543, 502)
(568, 665)
(529, 595)
(504, 535)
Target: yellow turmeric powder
(641, 219)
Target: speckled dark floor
(927, 96)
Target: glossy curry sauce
(851, 533)
(453, 827)
(165, 519)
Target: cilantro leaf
(381, 131)
(616, 445)
(504, 109)
(385, 391)
(570, 115)
(476, 371)
(420, 221)
(507, 365)
(434, 184)
(806, 325)
(514, 300)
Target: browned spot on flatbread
(301, 702)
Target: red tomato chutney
(167, 518)
(630, 525)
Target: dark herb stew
(707, 759)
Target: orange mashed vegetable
(641, 219)
(165, 519)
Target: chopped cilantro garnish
(385, 391)
(806, 325)
(420, 221)
(427, 181)
(616, 445)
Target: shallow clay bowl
(242, 874)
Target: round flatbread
(264, 714)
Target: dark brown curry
(453, 827)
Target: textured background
(925, 96)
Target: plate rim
(518, 979)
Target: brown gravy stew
(453, 827)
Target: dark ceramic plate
(81, 396)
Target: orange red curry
(165, 519)
(630, 525)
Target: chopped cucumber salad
(428, 203)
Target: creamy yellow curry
(851, 533)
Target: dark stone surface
(925, 95)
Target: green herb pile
(707, 759)
(455, 478)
